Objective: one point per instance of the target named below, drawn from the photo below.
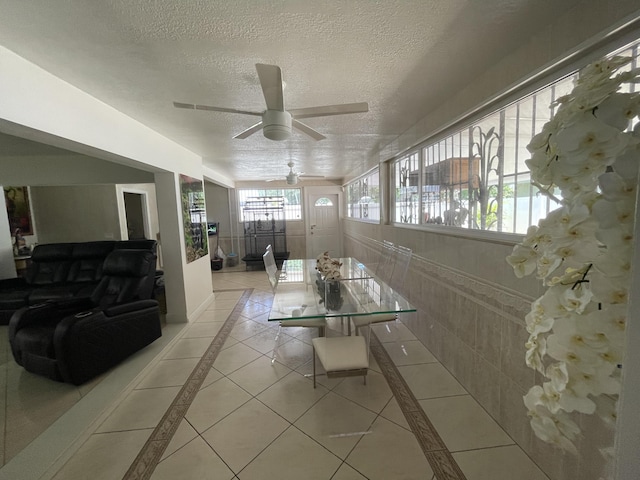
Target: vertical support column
(171, 239)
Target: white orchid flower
(597, 383)
(583, 250)
(609, 323)
(523, 260)
(618, 109)
(536, 349)
(607, 410)
(537, 322)
(556, 429)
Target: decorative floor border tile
(145, 463)
(440, 459)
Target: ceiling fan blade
(272, 87)
(192, 106)
(329, 110)
(306, 129)
(249, 131)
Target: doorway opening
(135, 213)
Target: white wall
(39, 106)
(76, 213)
(7, 265)
(471, 307)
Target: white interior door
(323, 226)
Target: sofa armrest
(128, 307)
(89, 343)
(39, 313)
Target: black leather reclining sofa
(73, 329)
(62, 271)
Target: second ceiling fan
(277, 122)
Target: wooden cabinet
(453, 172)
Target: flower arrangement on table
(582, 251)
(328, 282)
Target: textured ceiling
(402, 57)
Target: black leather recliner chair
(74, 340)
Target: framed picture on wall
(194, 217)
(18, 209)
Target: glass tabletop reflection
(303, 293)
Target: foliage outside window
(292, 202)
(476, 178)
(363, 197)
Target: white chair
(399, 265)
(342, 356)
(384, 267)
(402, 257)
(272, 273)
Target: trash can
(232, 260)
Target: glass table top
(302, 292)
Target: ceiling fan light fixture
(292, 179)
(277, 125)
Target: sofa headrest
(52, 252)
(136, 245)
(93, 249)
(129, 263)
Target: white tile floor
(254, 420)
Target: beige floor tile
(32, 404)
(104, 456)
(463, 424)
(188, 348)
(214, 315)
(263, 342)
(346, 472)
(246, 329)
(389, 451)
(215, 402)
(292, 396)
(229, 295)
(292, 456)
(168, 373)
(213, 376)
(235, 357)
(410, 352)
(243, 434)
(336, 423)
(264, 320)
(394, 413)
(230, 342)
(294, 353)
(264, 297)
(140, 409)
(184, 434)
(204, 329)
(431, 380)
(222, 304)
(374, 395)
(194, 461)
(499, 463)
(259, 375)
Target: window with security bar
(476, 178)
(292, 201)
(363, 197)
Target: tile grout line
(434, 449)
(147, 459)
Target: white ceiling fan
(276, 122)
(292, 177)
